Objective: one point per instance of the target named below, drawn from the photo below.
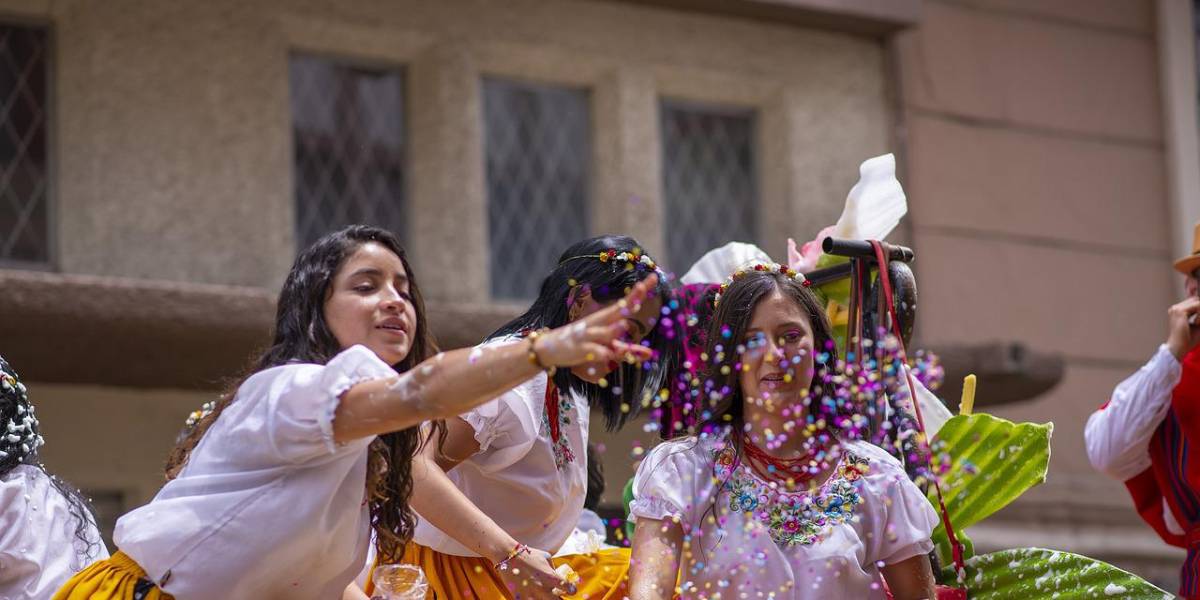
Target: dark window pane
(348, 128)
(708, 179)
(24, 223)
(538, 148)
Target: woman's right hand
(597, 337)
(531, 576)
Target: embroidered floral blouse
(750, 536)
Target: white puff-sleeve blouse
(530, 486)
(39, 548)
(868, 514)
(268, 506)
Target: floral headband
(632, 259)
(196, 415)
(791, 273)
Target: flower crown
(196, 415)
(632, 259)
(793, 274)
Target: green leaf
(993, 461)
(1040, 573)
(835, 297)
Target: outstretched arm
(452, 383)
(654, 563)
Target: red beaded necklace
(795, 471)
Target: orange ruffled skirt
(602, 576)
(115, 578)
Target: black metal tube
(863, 249)
(834, 273)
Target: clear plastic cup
(399, 582)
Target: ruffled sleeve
(301, 401)
(901, 518)
(507, 427)
(674, 481)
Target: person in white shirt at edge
(509, 487)
(276, 493)
(744, 510)
(47, 530)
(1141, 435)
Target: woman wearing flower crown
(773, 498)
(277, 491)
(47, 530)
(516, 468)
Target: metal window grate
(348, 127)
(709, 183)
(538, 149)
(24, 170)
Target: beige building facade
(1045, 148)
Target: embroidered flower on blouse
(562, 447)
(794, 517)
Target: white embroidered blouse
(770, 544)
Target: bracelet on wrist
(534, 359)
(518, 550)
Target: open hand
(598, 336)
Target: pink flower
(805, 259)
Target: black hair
(302, 334)
(579, 267)
(595, 479)
(20, 438)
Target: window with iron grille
(24, 168)
(709, 187)
(538, 146)
(348, 128)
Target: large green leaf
(992, 462)
(1030, 573)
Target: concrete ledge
(872, 17)
(80, 329)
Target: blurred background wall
(161, 163)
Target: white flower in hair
(196, 415)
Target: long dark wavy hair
(607, 281)
(729, 323)
(17, 411)
(302, 335)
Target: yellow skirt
(115, 578)
(602, 576)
